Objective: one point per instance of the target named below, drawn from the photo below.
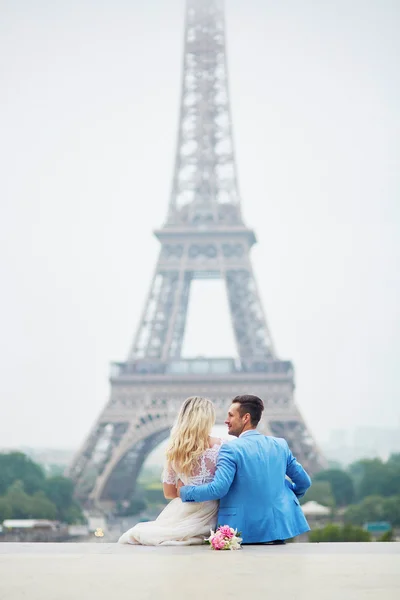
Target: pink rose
(226, 531)
(218, 542)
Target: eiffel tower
(204, 236)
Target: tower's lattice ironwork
(204, 236)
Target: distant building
(33, 530)
(26, 524)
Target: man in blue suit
(255, 496)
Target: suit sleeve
(218, 488)
(300, 479)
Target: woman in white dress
(192, 458)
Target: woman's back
(204, 468)
(192, 458)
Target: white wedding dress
(181, 523)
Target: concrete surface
(108, 571)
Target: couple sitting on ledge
(241, 483)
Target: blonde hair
(190, 434)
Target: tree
(393, 483)
(370, 509)
(341, 485)
(375, 508)
(28, 494)
(321, 492)
(391, 510)
(329, 533)
(5, 509)
(350, 533)
(24, 506)
(41, 507)
(18, 500)
(336, 533)
(60, 490)
(16, 466)
(394, 460)
(73, 514)
(388, 536)
(376, 478)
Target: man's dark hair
(252, 405)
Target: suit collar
(249, 432)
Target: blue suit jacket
(255, 496)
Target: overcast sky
(88, 117)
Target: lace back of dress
(204, 470)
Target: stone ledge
(297, 549)
(109, 571)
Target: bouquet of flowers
(224, 538)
